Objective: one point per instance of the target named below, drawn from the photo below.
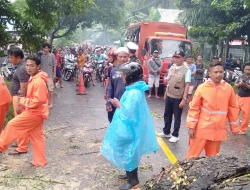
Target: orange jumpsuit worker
(243, 85)
(5, 99)
(214, 101)
(35, 111)
(18, 86)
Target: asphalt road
(74, 133)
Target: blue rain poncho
(131, 133)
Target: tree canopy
(216, 20)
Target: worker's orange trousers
(3, 111)
(26, 123)
(196, 146)
(22, 141)
(244, 105)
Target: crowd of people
(131, 131)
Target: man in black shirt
(18, 87)
(237, 65)
(116, 86)
(243, 85)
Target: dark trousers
(111, 114)
(172, 108)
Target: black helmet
(133, 71)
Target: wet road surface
(74, 133)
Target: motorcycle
(69, 69)
(232, 76)
(7, 69)
(87, 72)
(205, 75)
(100, 70)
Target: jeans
(172, 107)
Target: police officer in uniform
(132, 47)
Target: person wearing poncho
(131, 133)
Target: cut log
(208, 173)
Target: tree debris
(86, 153)
(30, 178)
(210, 173)
(56, 129)
(95, 129)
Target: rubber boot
(133, 182)
(123, 177)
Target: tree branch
(38, 179)
(65, 33)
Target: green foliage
(4, 36)
(10, 113)
(154, 14)
(6, 14)
(216, 19)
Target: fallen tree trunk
(208, 173)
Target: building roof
(169, 15)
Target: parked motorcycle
(205, 75)
(232, 75)
(7, 69)
(87, 72)
(69, 69)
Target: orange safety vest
(209, 110)
(5, 96)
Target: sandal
(15, 152)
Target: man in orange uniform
(36, 110)
(19, 86)
(5, 99)
(80, 64)
(243, 85)
(214, 101)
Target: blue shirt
(192, 68)
(99, 58)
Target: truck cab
(167, 38)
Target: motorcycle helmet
(133, 72)
(112, 53)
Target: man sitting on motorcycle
(237, 65)
(88, 68)
(69, 58)
(98, 57)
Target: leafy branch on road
(59, 128)
(30, 178)
(95, 129)
(86, 153)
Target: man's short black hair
(212, 65)
(46, 45)
(246, 64)
(189, 56)
(132, 51)
(17, 52)
(34, 58)
(199, 55)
